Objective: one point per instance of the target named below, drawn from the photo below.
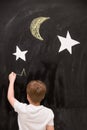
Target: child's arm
(50, 127)
(10, 95)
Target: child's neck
(35, 104)
(30, 101)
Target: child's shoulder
(48, 109)
(48, 112)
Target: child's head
(36, 91)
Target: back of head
(36, 90)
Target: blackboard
(63, 72)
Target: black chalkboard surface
(39, 30)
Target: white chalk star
(67, 43)
(20, 54)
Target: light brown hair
(36, 90)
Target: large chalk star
(67, 43)
(20, 54)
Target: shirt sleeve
(19, 107)
(51, 118)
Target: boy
(33, 116)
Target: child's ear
(27, 97)
(43, 97)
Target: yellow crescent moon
(35, 26)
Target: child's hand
(12, 77)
